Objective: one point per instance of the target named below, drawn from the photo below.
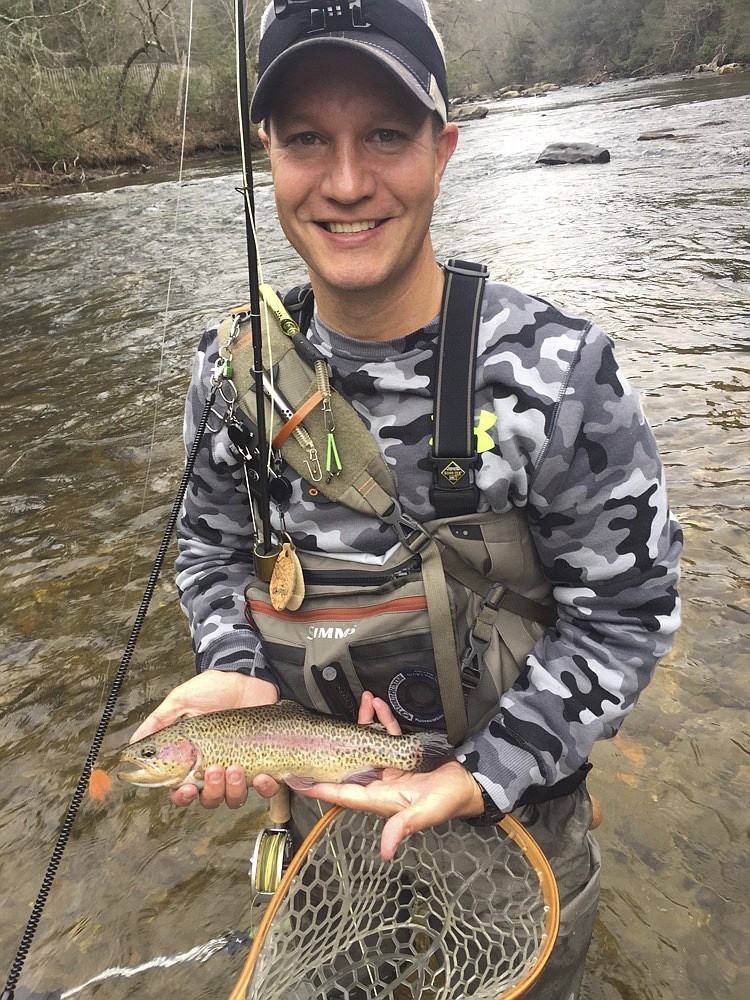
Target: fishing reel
(273, 848)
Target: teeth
(350, 227)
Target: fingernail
(234, 779)
(213, 779)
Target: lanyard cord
(96, 744)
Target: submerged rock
(573, 152)
(658, 134)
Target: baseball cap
(399, 34)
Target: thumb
(164, 715)
(397, 829)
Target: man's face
(356, 170)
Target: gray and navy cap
(400, 34)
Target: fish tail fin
(435, 749)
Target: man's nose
(349, 177)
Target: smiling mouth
(350, 227)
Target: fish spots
(279, 740)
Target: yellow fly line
(460, 912)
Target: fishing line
(165, 319)
(229, 942)
(170, 280)
(106, 717)
(108, 712)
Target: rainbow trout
(283, 740)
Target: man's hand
(412, 801)
(213, 691)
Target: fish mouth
(134, 774)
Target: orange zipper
(340, 614)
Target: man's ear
(446, 145)
(263, 136)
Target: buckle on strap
(472, 661)
(410, 532)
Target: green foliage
(520, 57)
(78, 77)
(677, 33)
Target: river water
(655, 245)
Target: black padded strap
(453, 453)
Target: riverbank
(96, 163)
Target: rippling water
(655, 245)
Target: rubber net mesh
(459, 913)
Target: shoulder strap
(453, 455)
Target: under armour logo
(484, 441)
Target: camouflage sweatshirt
(562, 434)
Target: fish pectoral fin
(298, 783)
(363, 777)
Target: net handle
(240, 988)
(512, 828)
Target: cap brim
(262, 99)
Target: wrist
(486, 812)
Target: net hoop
(512, 828)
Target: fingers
(219, 787)
(235, 787)
(402, 820)
(184, 795)
(372, 708)
(386, 717)
(395, 831)
(366, 714)
(411, 802)
(347, 796)
(265, 785)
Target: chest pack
(442, 628)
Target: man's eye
(304, 139)
(387, 135)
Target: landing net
(461, 912)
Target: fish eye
(148, 752)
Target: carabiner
(313, 465)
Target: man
(354, 119)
